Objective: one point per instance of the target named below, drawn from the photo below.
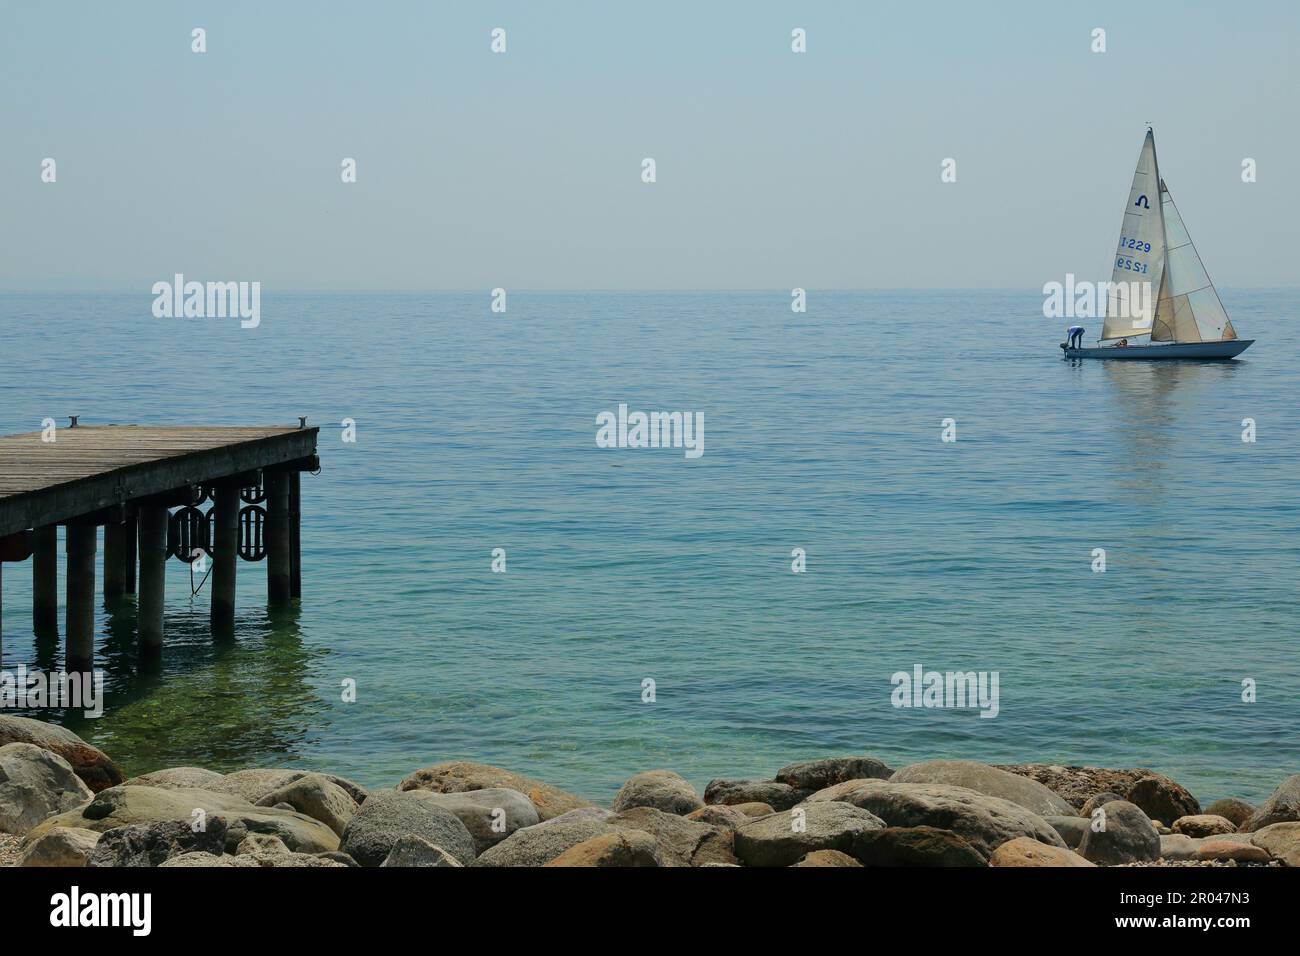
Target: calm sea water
(822, 431)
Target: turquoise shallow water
(476, 431)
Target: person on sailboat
(1075, 333)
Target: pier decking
(127, 478)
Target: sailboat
(1188, 320)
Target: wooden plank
(95, 466)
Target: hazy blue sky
(522, 170)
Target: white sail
(1141, 254)
(1189, 309)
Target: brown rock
(778, 796)
(1203, 825)
(718, 815)
(1162, 799)
(89, 763)
(915, 846)
(681, 842)
(1224, 850)
(621, 849)
(820, 774)
(753, 809)
(458, 777)
(1230, 808)
(1281, 841)
(1023, 851)
(827, 858)
(1078, 784)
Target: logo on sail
(1142, 201)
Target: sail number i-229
(1137, 245)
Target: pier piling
(81, 545)
(45, 582)
(225, 554)
(278, 549)
(114, 561)
(153, 577)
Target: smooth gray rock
(1121, 834)
(388, 815)
(173, 778)
(778, 796)
(1282, 806)
(411, 850)
(152, 844)
(990, 781)
(1069, 828)
(659, 789)
(982, 821)
(784, 838)
(817, 775)
(1099, 800)
(35, 783)
(64, 846)
(316, 796)
(490, 815)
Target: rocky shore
(65, 803)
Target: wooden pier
(127, 479)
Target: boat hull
(1185, 350)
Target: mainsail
(1141, 255)
(1189, 309)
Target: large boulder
(314, 795)
(784, 838)
(540, 844)
(458, 776)
(34, 784)
(1281, 841)
(1230, 808)
(123, 806)
(411, 850)
(982, 821)
(1023, 851)
(623, 848)
(152, 844)
(817, 775)
(176, 778)
(388, 815)
(681, 842)
(255, 784)
(1121, 833)
(89, 763)
(1203, 825)
(661, 789)
(990, 781)
(1162, 799)
(64, 846)
(1078, 784)
(915, 846)
(778, 796)
(490, 815)
(1282, 806)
